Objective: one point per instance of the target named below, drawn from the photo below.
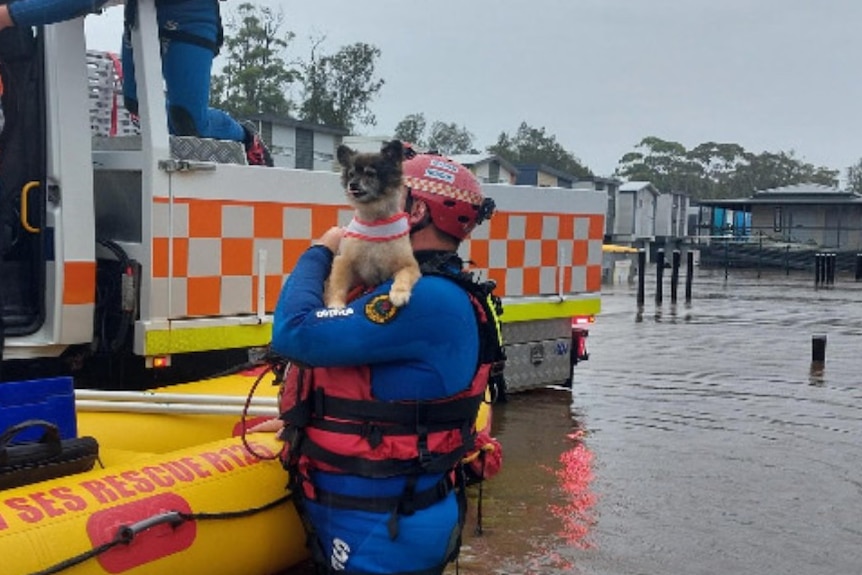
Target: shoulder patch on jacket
(380, 310)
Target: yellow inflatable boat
(177, 488)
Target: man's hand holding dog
(331, 239)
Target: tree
(450, 139)
(411, 129)
(256, 77)
(667, 165)
(338, 88)
(854, 177)
(534, 146)
(715, 170)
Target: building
(365, 144)
(297, 144)
(807, 214)
(634, 219)
(488, 168)
(543, 176)
(611, 187)
(671, 216)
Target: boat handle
(127, 533)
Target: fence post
(689, 274)
(641, 276)
(674, 276)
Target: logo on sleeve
(333, 312)
(380, 309)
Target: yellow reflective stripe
(498, 326)
(192, 339)
(526, 311)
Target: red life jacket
(334, 423)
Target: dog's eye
(370, 172)
(351, 173)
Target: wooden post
(659, 276)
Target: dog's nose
(353, 187)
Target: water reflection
(575, 476)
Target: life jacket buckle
(372, 434)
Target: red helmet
(451, 191)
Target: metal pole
(818, 348)
(168, 398)
(689, 275)
(674, 276)
(818, 264)
(172, 408)
(641, 276)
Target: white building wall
(283, 146)
(624, 222)
(645, 210)
(324, 151)
(664, 215)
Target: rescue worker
(379, 403)
(190, 32)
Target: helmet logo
(440, 175)
(445, 166)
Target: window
(776, 219)
(304, 149)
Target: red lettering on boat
(139, 484)
(196, 467)
(119, 486)
(46, 504)
(217, 462)
(26, 512)
(100, 491)
(70, 501)
(158, 475)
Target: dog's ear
(393, 151)
(345, 155)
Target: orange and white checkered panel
(220, 247)
(208, 254)
(525, 253)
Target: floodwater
(698, 439)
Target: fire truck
(129, 260)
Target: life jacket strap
(418, 500)
(452, 412)
(435, 462)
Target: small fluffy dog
(376, 244)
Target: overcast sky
(600, 75)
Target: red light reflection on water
(574, 477)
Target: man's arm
(369, 330)
(43, 12)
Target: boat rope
(278, 368)
(127, 533)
